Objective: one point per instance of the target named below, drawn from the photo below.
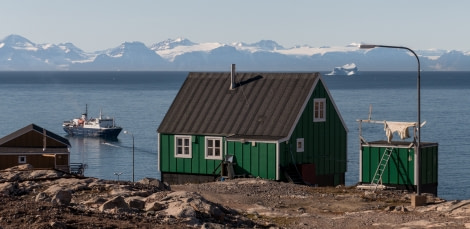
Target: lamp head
(364, 46)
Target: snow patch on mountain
(46, 46)
(170, 53)
(171, 43)
(309, 51)
(263, 45)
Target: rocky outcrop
(44, 199)
(117, 203)
(149, 195)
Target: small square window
(213, 148)
(319, 110)
(300, 145)
(183, 147)
(22, 159)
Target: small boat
(93, 127)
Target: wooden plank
(255, 158)
(164, 159)
(271, 161)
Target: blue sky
(101, 24)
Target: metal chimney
(232, 78)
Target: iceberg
(345, 70)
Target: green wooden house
(277, 126)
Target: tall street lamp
(127, 132)
(418, 149)
(118, 174)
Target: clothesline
(381, 121)
(390, 127)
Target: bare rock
(47, 173)
(28, 186)
(7, 188)
(95, 202)
(157, 196)
(185, 205)
(62, 197)
(154, 182)
(212, 226)
(74, 184)
(20, 167)
(42, 196)
(154, 206)
(120, 190)
(178, 195)
(118, 202)
(13, 176)
(135, 202)
(180, 210)
(202, 205)
(51, 190)
(58, 225)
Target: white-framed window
(319, 110)
(183, 147)
(300, 145)
(213, 148)
(21, 159)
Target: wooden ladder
(381, 167)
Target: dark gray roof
(264, 106)
(33, 127)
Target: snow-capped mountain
(133, 56)
(20, 54)
(170, 44)
(19, 43)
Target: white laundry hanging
(400, 127)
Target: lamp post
(118, 174)
(418, 149)
(127, 132)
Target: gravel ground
(286, 205)
(244, 203)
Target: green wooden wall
(325, 143)
(195, 165)
(400, 167)
(258, 160)
(429, 165)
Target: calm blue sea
(139, 100)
